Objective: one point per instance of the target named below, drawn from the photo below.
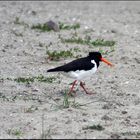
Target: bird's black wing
(79, 64)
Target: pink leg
(72, 87)
(82, 85)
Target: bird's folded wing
(79, 64)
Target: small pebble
(124, 112)
(52, 25)
(115, 136)
(105, 117)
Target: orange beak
(106, 61)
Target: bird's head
(98, 57)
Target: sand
(36, 110)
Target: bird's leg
(72, 87)
(82, 85)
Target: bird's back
(79, 64)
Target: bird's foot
(82, 85)
(90, 93)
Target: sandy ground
(36, 110)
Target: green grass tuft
(15, 132)
(130, 134)
(29, 80)
(39, 78)
(66, 102)
(102, 42)
(42, 27)
(74, 40)
(24, 80)
(62, 26)
(95, 127)
(18, 22)
(55, 55)
(97, 42)
(31, 109)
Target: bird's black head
(97, 57)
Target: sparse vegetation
(17, 33)
(55, 55)
(102, 42)
(137, 134)
(29, 80)
(92, 43)
(76, 50)
(31, 109)
(43, 27)
(45, 134)
(105, 52)
(94, 127)
(88, 41)
(69, 102)
(44, 45)
(15, 132)
(77, 105)
(48, 26)
(41, 78)
(66, 102)
(3, 97)
(64, 26)
(18, 22)
(24, 80)
(78, 40)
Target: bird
(81, 68)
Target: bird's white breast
(81, 74)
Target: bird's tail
(51, 70)
(54, 70)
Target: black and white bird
(81, 68)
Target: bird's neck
(97, 62)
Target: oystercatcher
(81, 68)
